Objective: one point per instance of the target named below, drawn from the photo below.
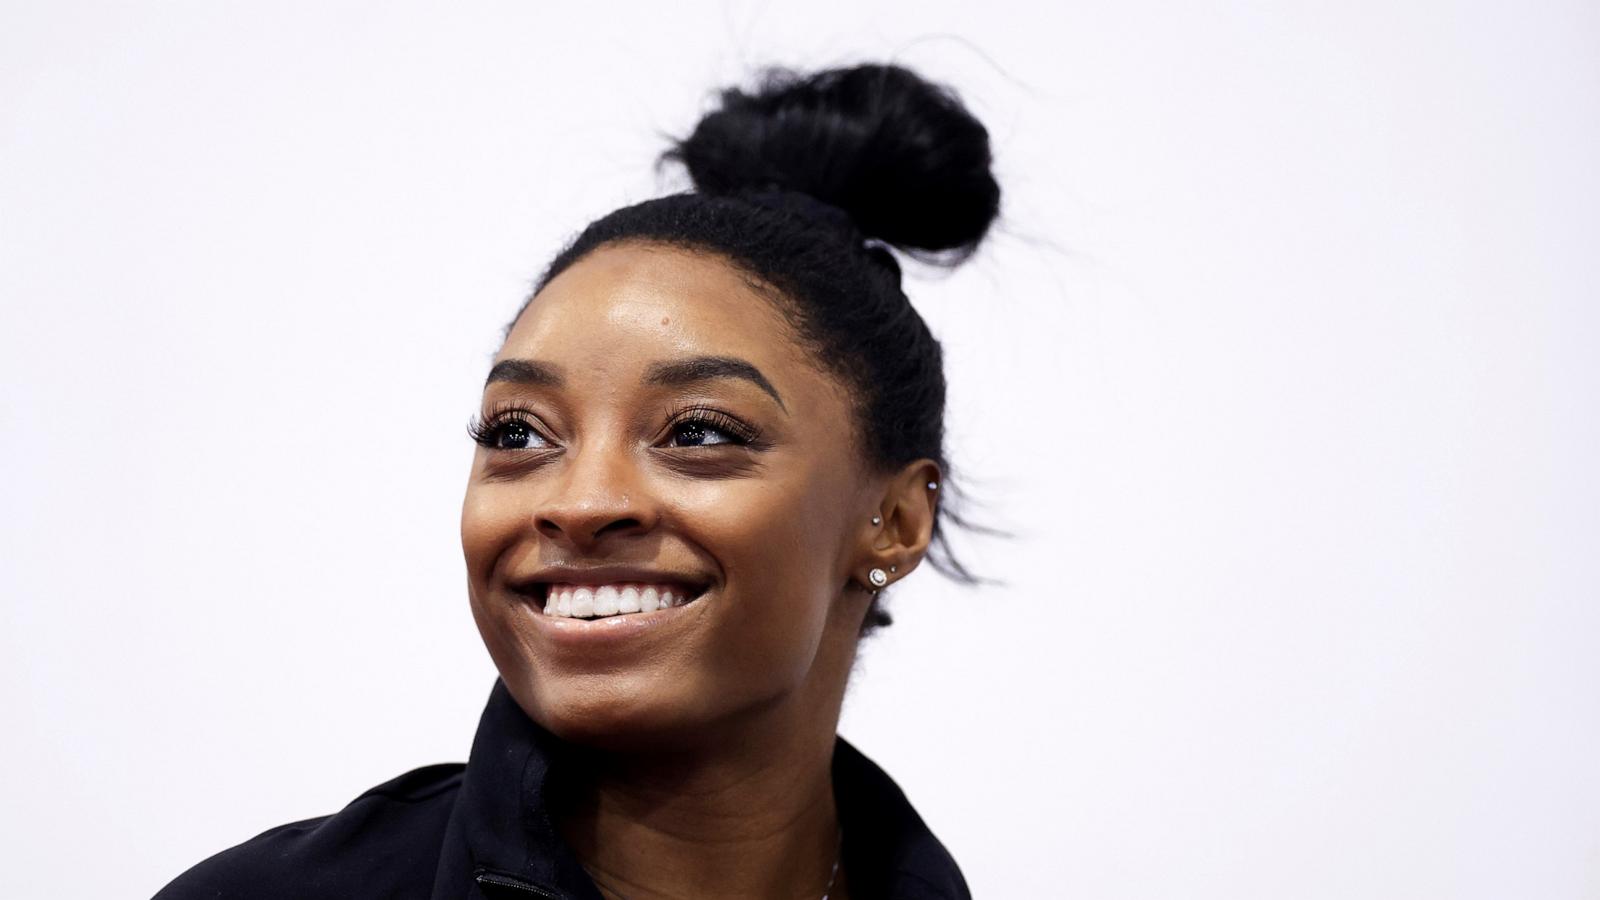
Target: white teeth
(582, 603)
(600, 601)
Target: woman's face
(653, 426)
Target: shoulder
(888, 849)
(384, 843)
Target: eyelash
(486, 430)
(741, 433)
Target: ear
(905, 510)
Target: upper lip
(539, 581)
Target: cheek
(485, 527)
(757, 526)
(492, 522)
(495, 540)
(780, 545)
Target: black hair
(806, 183)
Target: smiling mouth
(599, 601)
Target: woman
(711, 439)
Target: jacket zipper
(506, 881)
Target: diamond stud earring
(933, 485)
(877, 520)
(878, 577)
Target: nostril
(584, 532)
(619, 525)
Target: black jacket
(481, 832)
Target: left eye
(698, 433)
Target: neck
(748, 814)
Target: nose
(598, 495)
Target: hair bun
(900, 155)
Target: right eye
(508, 432)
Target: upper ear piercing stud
(878, 577)
(933, 485)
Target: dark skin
(706, 737)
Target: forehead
(642, 303)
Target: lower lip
(620, 629)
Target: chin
(612, 712)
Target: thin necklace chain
(831, 876)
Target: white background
(1281, 368)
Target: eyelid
(735, 427)
(483, 428)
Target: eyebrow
(676, 373)
(524, 371)
(706, 368)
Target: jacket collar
(500, 841)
